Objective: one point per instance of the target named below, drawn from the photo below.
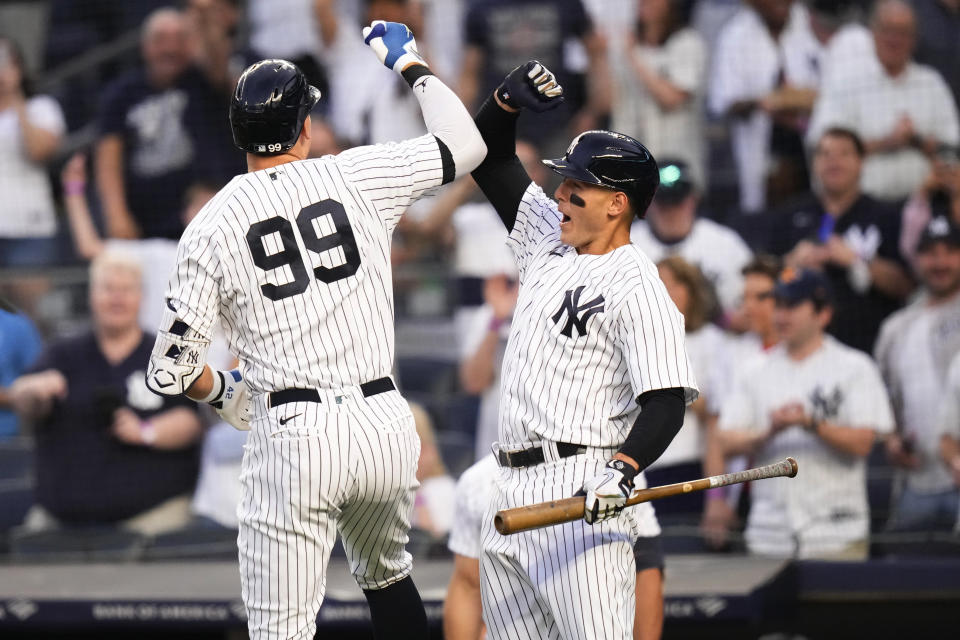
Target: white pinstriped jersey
(296, 260)
(590, 334)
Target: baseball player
(595, 379)
(294, 256)
(462, 618)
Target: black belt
(284, 396)
(534, 455)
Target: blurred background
(810, 185)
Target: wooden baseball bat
(545, 514)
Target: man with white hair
(108, 451)
(903, 111)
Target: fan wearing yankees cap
(825, 402)
(672, 227)
(595, 378)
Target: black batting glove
(530, 86)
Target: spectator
(108, 451)
(760, 336)
(31, 128)
(764, 80)
(369, 103)
(914, 351)
(849, 235)
(681, 461)
(294, 30)
(485, 342)
(939, 196)
(672, 227)
(902, 110)
(433, 503)
(658, 96)
(812, 395)
(157, 256)
(500, 34)
(155, 122)
(948, 426)
(939, 22)
(19, 347)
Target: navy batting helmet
(269, 106)
(614, 161)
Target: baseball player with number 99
(294, 256)
(595, 378)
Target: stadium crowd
(807, 225)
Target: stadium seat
(193, 542)
(94, 544)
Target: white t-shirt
(747, 65)
(284, 28)
(481, 250)
(677, 133)
(915, 349)
(824, 508)
(703, 347)
(718, 251)
(26, 208)
(218, 486)
(869, 101)
(437, 496)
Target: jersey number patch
(290, 255)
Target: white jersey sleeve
(393, 175)
(473, 495)
(651, 335)
(536, 228)
(193, 293)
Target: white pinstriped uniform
(296, 261)
(590, 334)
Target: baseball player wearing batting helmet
(595, 378)
(295, 256)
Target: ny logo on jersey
(571, 304)
(826, 404)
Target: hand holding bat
(554, 512)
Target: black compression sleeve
(660, 419)
(414, 72)
(501, 176)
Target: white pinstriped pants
(347, 466)
(572, 581)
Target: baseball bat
(545, 514)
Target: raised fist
(393, 43)
(530, 86)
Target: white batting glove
(393, 43)
(231, 398)
(607, 493)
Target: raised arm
(501, 176)
(443, 113)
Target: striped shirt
(295, 259)
(590, 334)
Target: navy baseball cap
(676, 182)
(798, 285)
(939, 229)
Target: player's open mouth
(565, 218)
